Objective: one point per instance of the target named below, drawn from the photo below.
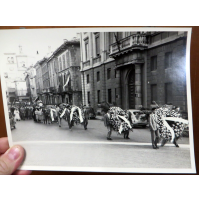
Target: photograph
(99, 99)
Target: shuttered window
(86, 51)
(109, 96)
(98, 76)
(168, 60)
(108, 73)
(153, 63)
(168, 93)
(98, 96)
(153, 93)
(88, 96)
(97, 42)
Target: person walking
(154, 129)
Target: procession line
(96, 142)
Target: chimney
(65, 40)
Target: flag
(36, 99)
(67, 80)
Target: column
(138, 86)
(118, 90)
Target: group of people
(54, 113)
(45, 114)
(21, 112)
(165, 122)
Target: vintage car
(91, 112)
(12, 121)
(138, 118)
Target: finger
(11, 160)
(4, 146)
(22, 172)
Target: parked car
(138, 118)
(91, 112)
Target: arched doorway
(131, 89)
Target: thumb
(11, 160)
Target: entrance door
(131, 86)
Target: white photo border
(119, 170)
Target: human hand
(11, 158)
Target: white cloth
(51, 113)
(121, 125)
(124, 119)
(67, 81)
(172, 119)
(184, 121)
(63, 113)
(80, 113)
(16, 113)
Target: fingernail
(14, 153)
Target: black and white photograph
(99, 99)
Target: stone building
(38, 79)
(21, 92)
(131, 69)
(166, 69)
(30, 74)
(16, 65)
(58, 76)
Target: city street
(49, 145)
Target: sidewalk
(98, 117)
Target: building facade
(58, 77)
(38, 79)
(133, 69)
(30, 75)
(16, 66)
(21, 92)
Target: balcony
(136, 41)
(66, 89)
(97, 59)
(86, 63)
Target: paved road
(49, 145)
(30, 131)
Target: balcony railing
(62, 89)
(133, 41)
(86, 63)
(97, 59)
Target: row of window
(98, 75)
(99, 96)
(162, 36)
(63, 61)
(167, 61)
(97, 47)
(167, 88)
(46, 84)
(167, 92)
(111, 38)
